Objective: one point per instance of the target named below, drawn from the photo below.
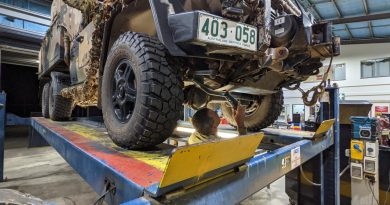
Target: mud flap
(59, 82)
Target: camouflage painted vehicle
(140, 61)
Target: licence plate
(224, 32)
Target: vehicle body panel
(55, 48)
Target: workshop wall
(354, 87)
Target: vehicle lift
(217, 172)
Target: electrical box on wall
(356, 171)
(364, 160)
(370, 149)
(365, 128)
(357, 149)
(370, 165)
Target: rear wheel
(259, 114)
(141, 94)
(60, 108)
(45, 100)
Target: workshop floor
(42, 172)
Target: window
(367, 69)
(35, 27)
(339, 72)
(17, 3)
(375, 68)
(10, 21)
(35, 6)
(22, 24)
(39, 7)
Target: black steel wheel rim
(124, 91)
(251, 109)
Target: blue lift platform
(224, 172)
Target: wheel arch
(148, 17)
(136, 17)
(60, 81)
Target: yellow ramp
(324, 127)
(188, 165)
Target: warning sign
(295, 157)
(381, 109)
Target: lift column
(331, 157)
(316, 181)
(2, 131)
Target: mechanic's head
(206, 121)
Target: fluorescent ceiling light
(185, 129)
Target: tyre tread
(45, 100)
(274, 112)
(62, 108)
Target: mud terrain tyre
(141, 94)
(60, 108)
(268, 110)
(45, 100)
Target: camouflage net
(86, 94)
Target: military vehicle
(140, 61)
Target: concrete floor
(42, 172)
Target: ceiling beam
(370, 29)
(365, 41)
(349, 31)
(366, 11)
(341, 16)
(365, 5)
(308, 5)
(337, 9)
(361, 18)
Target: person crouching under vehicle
(206, 122)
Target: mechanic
(206, 121)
